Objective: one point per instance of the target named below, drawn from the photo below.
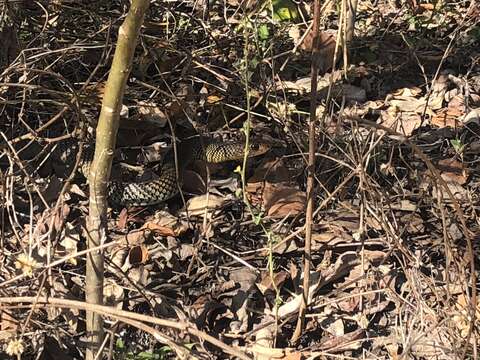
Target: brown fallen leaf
(113, 294)
(194, 180)
(344, 342)
(448, 117)
(69, 243)
(330, 238)
(472, 117)
(271, 170)
(413, 223)
(453, 171)
(267, 352)
(151, 111)
(186, 250)
(462, 315)
(439, 88)
(138, 255)
(327, 44)
(245, 277)
(266, 283)
(283, 200)
(408, 104)
(122, 219)
(52, 190)
(403, 122)
(407, 92)
(8, 325)
(198, 205)
(93, 93)
(159, 229)
(427, 6)
(166, 224)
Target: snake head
(258, 148)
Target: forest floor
(396, 226)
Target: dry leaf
(344, 342)
(194, 180)
(93, 93)
(122, 219)
(8, 325)
(271, 170)
(439, 88)
(294, 304)
(166, 224)
(266, 283)
(283, 200)
(245, 277)
(53, 189)
(449, 117)
(113, 295)
(402, 122)
(213, 99)
(284, 247)
(265, 337)
(407, 92)
(304, 85)
(330, 238)
(69, 242)
(199, 205)
(408, 105)
(460, 319)
(186, 251)
(266, 352)
(138, 255)
(453, 171)
(472, 117)
(140, 275)
(159, 229)
(326, 52)
(414, 223)
(151, 111)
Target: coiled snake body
(166, 186)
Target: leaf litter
(390, 262)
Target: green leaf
(284, 10)
(258, 218)
(263, 32)
(120, 345)
(458, 146)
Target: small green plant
(285, 10)
(458, 146)
(121, 352)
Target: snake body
(166, 186)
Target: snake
(167, 185)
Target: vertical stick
(101, 166)
(311, 172)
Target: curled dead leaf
(138, 255)
(283, 200)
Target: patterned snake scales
(164, 187)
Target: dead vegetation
(395, 228)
